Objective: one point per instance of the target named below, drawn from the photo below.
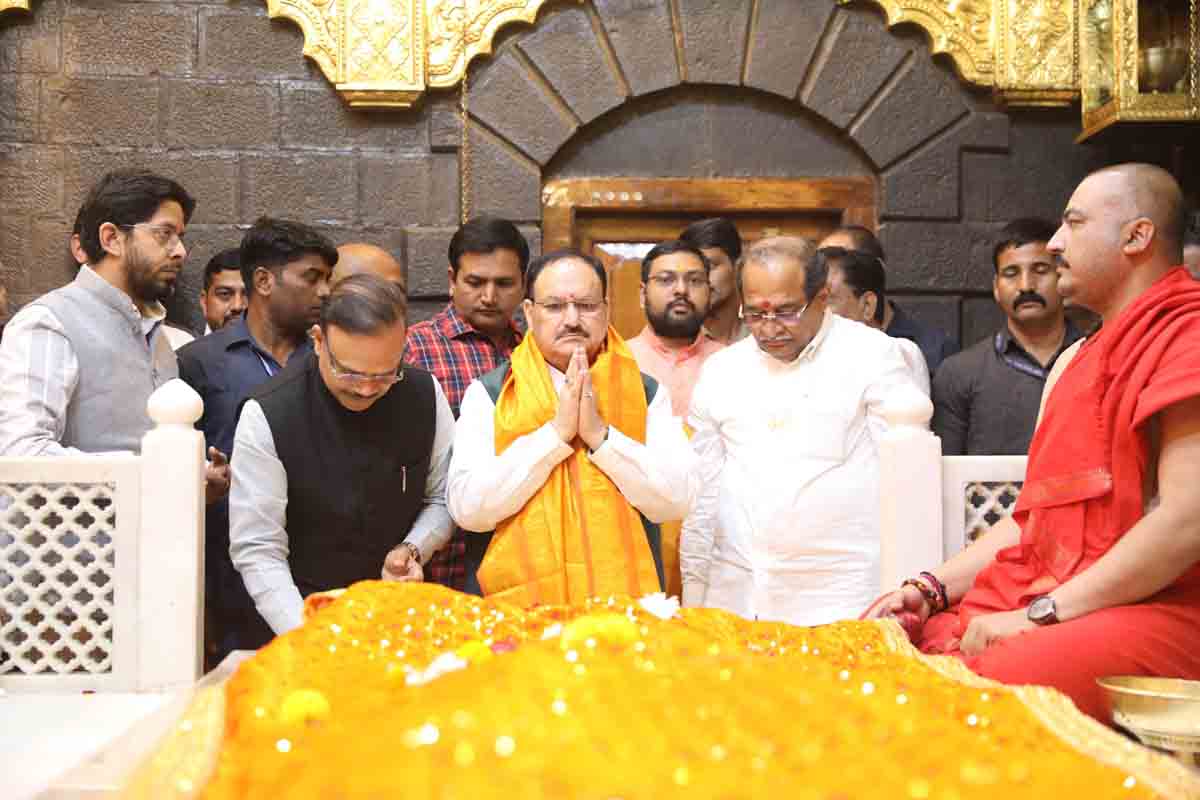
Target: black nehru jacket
(355, 480)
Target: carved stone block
(128, 40)
(517, 105)
(249, 114)
(914, 108)
(839, 91)
(644, 42)
(308, 187)
(714, 39)
(783, 42)
(130, 111)
(565, 50)
(30, 178)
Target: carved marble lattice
(57, 564)
(987, 503)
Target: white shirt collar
(810, 350)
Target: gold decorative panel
(5, 5)
(960, 28)
(1037, 51)
(1026, 51)
(1121, 38)
(387, 53)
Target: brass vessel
(1163, 713)
(1161, 68)
(1140, 62)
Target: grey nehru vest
(118, 369)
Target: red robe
(1085, 487)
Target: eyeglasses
(360, 378)
(166, 236)
(692, 280)
(753, 317)
(556, 308)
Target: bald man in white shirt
(787, 424)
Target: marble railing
(101, 561)
(932, 506)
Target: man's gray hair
(364, 304)
(787, 248)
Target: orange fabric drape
(577, 537)
(1084, 490)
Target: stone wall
(215, 94)
(221, 98)
(778, 88)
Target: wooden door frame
(854, 199)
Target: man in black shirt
(285, 268)
(986, 398)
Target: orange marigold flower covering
(608, 700)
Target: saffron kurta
(1089, 481)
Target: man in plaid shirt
(473, 335)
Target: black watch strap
(1042, 610)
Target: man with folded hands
(567, 456)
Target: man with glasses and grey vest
(340, 474)
(77, 365)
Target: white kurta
(787, 524)
(916, 364)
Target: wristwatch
(1042, 610)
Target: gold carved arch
(1026, 51)
(387, 53)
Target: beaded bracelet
(941, 589)
(930, 595)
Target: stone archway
(950, 166)
(879, 93)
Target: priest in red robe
(1098, 570)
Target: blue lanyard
(266, 365)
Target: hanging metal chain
(464, 150)
(1194, 57)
